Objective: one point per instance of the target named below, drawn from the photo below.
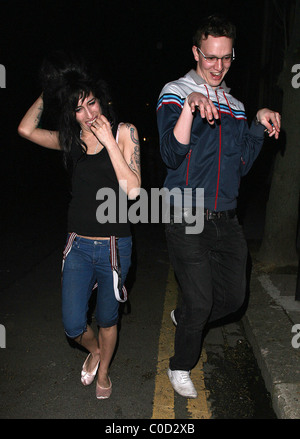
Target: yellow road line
(163, 404)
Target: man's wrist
(256, 121)
(187, 99)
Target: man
(206, 143)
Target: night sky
(137, 46)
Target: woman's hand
(102, 130)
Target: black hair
(65, 80)
(216, 26)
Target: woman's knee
(107, 323)
(74, 331)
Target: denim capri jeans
(88, 262)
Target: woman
(101, 154)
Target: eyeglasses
(227, 59)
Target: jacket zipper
(219, 164)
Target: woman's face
(87, 111)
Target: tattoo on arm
(132, 136)
(134, 164)
(39, 115)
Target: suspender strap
(68, 247)
(119, 290)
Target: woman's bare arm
(28, 127)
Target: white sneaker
(173, 317)
(182, 383)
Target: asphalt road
(40, 368)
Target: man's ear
(195, 53)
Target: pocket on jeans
(125, 250)
(175, 228)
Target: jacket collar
(199, 80)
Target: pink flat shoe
(88, 377)
(103, 392)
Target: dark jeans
(211, 270)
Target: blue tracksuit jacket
(217, 156)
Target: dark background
(137, 46)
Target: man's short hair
(216, 26)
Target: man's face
(213, 72)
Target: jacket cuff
(257, 129)
(177, 147)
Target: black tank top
(91, 173)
